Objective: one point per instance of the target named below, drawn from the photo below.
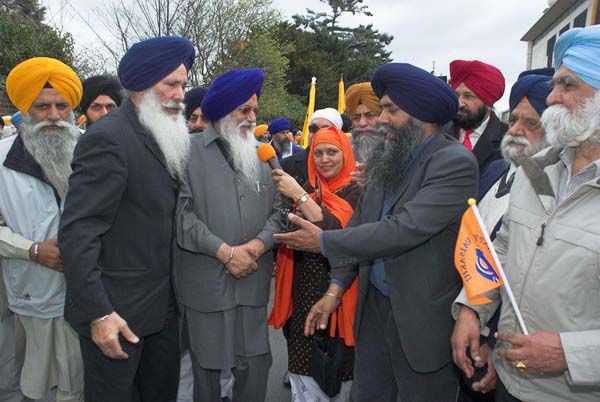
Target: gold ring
(519, 365)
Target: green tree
(23, 35)
(326, 50)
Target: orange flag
(473, 258)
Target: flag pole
(511, 297)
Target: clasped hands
(244, 259)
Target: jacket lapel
(486, 145)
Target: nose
(363, 121)
(179, 94)
(53, 113)
(517, 129)
(383, 118)
(554, 98)
(252, 116)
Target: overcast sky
(423, 30)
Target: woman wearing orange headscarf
(327, 199)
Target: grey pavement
(276, 391)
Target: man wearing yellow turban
(363, 108)
(34, 171)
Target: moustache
(174, 105)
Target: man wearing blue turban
(225, 224)
(545, 243)
(284, 146)
(400, 244)
(193, 113)
(117, 230)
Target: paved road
(276, 392)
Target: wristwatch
(303, 198)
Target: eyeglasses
(313, 128)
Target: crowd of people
(138, 248)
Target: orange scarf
(343, 316)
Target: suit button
(241, 197)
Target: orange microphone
(266, 153)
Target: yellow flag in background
(341, 96)
(474, 260)
(309, 111)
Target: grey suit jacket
(416, 241)
(217, 205)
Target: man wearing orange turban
(478, 86)
(363, 108)
(34, 170)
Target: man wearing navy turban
(400, 244)
(117, 230)
(225, 224)
(284, 146)
(193, 113)
(478, 86)
(545, 243)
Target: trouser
(10, 364)
(502, 394)
(186, 380)
(150, 374)
(250, 384)
(381, 369)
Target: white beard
(52, 149)
(242, 147)
(569, 128)
(168, 130)
(512, 153)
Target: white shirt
(476, 133)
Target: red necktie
(467, 140)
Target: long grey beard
(388, 162)
(282, 148)
(570, 128)
(365, 141)
(52, 149)
(169, 131)
(242, 147)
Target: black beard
(388, 162)
(196, 131)
(471, 121)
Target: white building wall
(538, 53)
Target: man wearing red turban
(478, 86)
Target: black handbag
(326, 363)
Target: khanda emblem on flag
(484, 267)
(474, 260)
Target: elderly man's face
(525, 136)
(100, 107)
(197, 122)
(363, 118)
(170, 90)
(50, 105)
(246, 112)
(471, 110)
(569, 90)
(281, 137)
(392, 115)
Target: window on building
(550, 50)
(564, 29)
(579, 21)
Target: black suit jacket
(297, 166)
(117, 226)
(487, 148)
(416, 241)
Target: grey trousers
(250, 384)
(381, 371)
(11, 359)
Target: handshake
(240, 261)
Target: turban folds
(578, 50)
(261, 129)
(534, 86)
(279, 124)
(98, 85)
(485, 80)
(192, 100)
(149, 61)
(230, 90)
(25, 82)
(330, 114)
(361, 94)
(417, 92)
